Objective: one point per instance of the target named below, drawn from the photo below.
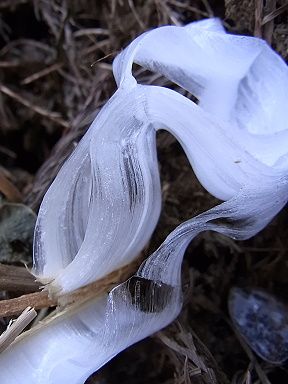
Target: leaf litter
(55, 61)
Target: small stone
(17, 223)
(262, 321)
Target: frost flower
(104, 204)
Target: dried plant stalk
(17, 279)
(41, 299)
(16, 327)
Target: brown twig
(258, 18)
(208, 8)
(103, 285)
(44, 72)
(41, 299)
(10, 64)
(9, 190)
(268, 27)
(37, 300)
(274, 13)
(12, 3)
(91, 31)
(17, 279)
(53, 116)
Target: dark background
(55, 73)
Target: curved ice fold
(113, 197)
(104, 204)
(72, 347)
(236, 78)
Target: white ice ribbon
(105, 202)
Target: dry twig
(16, 327)
(41, 299)
(53, 116)
(258, 18)
(268, 27)
(17, 279)
(9, 190)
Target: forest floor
(55, 74)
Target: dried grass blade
(16, 327)
(53, 116)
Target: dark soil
(55, 73)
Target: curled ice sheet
(100, 212)
(239, 79)
(104, 204)
(72, 347)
